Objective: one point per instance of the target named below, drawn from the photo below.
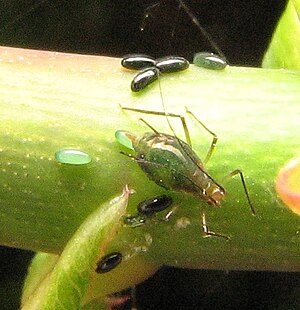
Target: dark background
(242, 30)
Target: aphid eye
(124, 138)
(137, 61)
(109, 262)
(171, 64)
(144, 78)
(72, 157)
(209, 61)
(153, 205)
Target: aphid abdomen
(160, 159)
(163, 167)
(172, 164)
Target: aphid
(137, 61)
(170, 64)
(172, 164)
(154, 205)
(109, 262)
(144, 78)
(209, 61)
(72, 157)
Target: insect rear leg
(209, 233)
(240, 173)
(215, 138)
(182, 118)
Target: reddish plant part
(288, 184)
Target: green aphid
(172, 164)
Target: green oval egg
(209, 61)
(72, 157)
(122, 138)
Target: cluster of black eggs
(146, 209)
(151, 68)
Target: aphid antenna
(202, 30)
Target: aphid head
(217, 195)
(125, 138)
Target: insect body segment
(172, 164)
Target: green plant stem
(284, 49)
(51, 101)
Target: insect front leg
(209, 233)
(182, 118)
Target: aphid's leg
(240, 173)
(182, 118)
(208, 233)
(215, 138)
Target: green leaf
(61, 282)
(284, 49)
